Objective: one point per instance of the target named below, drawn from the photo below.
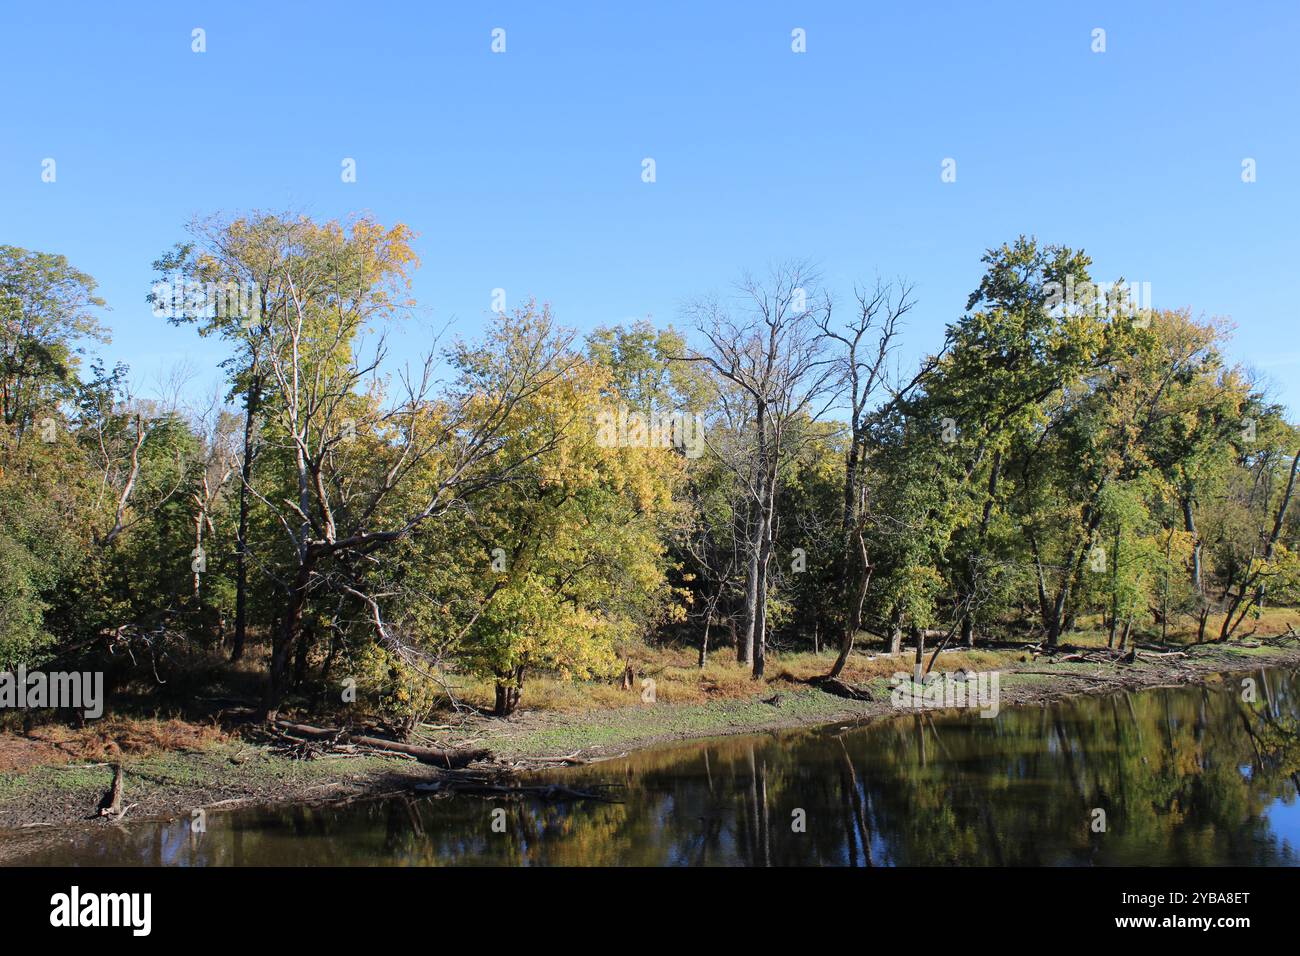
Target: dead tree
(770, 359)
(862, 349)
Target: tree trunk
(1060, 608)
(704, 641)
(1225, 631)
(241, 536)
(745, 646)
(846, 648)
(1054, 625)
(509, 688)
(1251, 583)
(198, 550)
(760, 630)
(1189, 525)
(1164, 595)
(849, 521)
(1114, 589)
(1277, 526)
(896, 635)
(972, 582)
(853, 612)
(286, 639)
(756, 594)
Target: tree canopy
(537, 501)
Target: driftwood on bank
(448, 759)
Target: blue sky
(522, 170)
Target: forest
(359, 525)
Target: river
(1180, 776)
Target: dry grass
(110, 739)
(1271, 622)
(679, 680)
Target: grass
(679, 681)
(624, 727)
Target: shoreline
(51, 801)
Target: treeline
(533, 501)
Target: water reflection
(1186, 776)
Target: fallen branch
(448, 759)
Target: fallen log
(833, 685)
(449, 759)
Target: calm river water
(1186, 776)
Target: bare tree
(770, 356)
(217, 428)
(862, 348)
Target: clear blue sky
(523, 170)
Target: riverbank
(173, 769)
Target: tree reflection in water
(1186, 776)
